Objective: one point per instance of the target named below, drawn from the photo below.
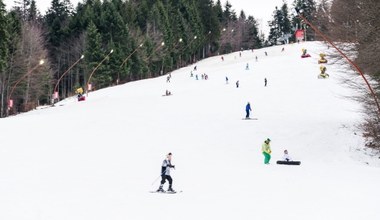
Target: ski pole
(158, 177)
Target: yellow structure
(322, 59)
(323, 74)
(79, 91)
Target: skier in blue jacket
(165, 173)
(247, 110)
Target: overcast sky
(261, 9)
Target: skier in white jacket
(286, 156)
(165, 173)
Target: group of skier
(167, 165)
(265, 148)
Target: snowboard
(282, 162)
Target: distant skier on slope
(165, 173)
(266, 151)
(168, 93)
(247, 110)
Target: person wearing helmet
(165, 173)
(266, 151)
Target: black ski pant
(247, 115)
(166, 177)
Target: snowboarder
(165, 173)
(265, 82)
(247, 110)
(286, 156)
(237, 84)
(266, 151)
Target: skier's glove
(172, 166)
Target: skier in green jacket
(266, 151)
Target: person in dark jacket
(165, 173)
(247, 110)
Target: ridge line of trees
(94, 27)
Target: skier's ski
(250, 119)
(166, 192)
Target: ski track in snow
(98, 159)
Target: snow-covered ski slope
(98, 159)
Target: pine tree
(275, 28)
(218, 10)
(4, 36)
(308, 8)
(252, 39)
(56, 19)
(285, 24)
(229, 14)
(4, 43)
(210, 23)
(94, 55)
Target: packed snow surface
(98, 159)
